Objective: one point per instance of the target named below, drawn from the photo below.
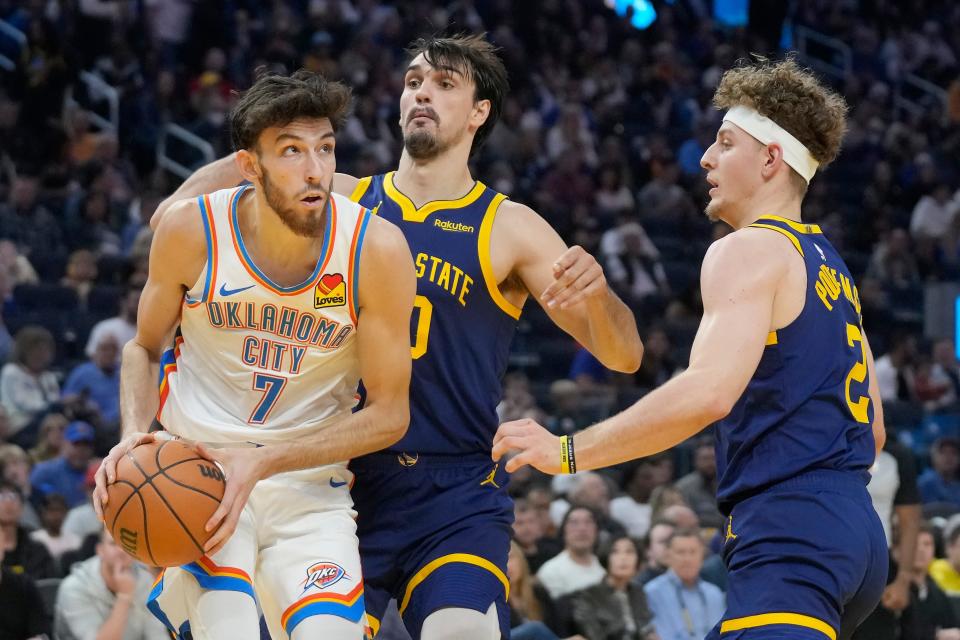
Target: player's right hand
(107, 472)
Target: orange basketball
(163, 495)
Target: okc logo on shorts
(331, 291)
(323, 574)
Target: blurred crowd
(601, 134)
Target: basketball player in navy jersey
(435, 517)
(780, 364)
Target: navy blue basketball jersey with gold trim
(807, 406)
(461, 326)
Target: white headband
(767, 131)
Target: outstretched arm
(738, 309)
(386, 290)
(177, 257)
(224, 173)
(570, 285)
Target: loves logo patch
(331, 291)
(323, 574)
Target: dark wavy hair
(276, 100)
(475, 58)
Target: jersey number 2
(423, 326)
(272, 387)
(857, 374)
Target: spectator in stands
(22, 555)
(893, 262)
(932, 389)
(699, 487)
(81, 274)
(615, 608)
(613, 197)
(540, 498)
(894, 369)
(23, 613)
(934, 213)
(662, 498)
(105, 596)
(50, 438)
(528, 534)
(680, 516)
(15, 265)
(53, 510)
(684, 605)
(929, 614)
(658, 364)
(633, 266)
(577, 566)
(15, 467)
(633, 510)
(896, 498)
(662, 198)
(122, 328)
(95, 384)
(517, 398)
(656, 554)
(82, 520)
(66, 474)
(28, 388)
(946, 571)
(568, 411)
(28, 223)
(531, 607)
(940, 483)
(945, 357)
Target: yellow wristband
(568, 460)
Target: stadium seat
(36, 297)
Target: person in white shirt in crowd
(577, 566)
(104, 597)
(633, 509)
(122, 327)
(934, 212)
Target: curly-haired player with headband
(780, 364)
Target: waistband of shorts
(846, 482)
(406, 459)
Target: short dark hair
(606, 549)
(577, 507)
(276, 100)
(477, 59)
(684, 533)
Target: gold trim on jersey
(765, 619)
(792, 238)
(486, 265)
(793, 224)
(772, 338)
(412, 214)
(362, 185)
(466, 558)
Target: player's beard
(423, 144)
(712, 212)
(311, 226)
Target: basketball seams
(136, 490)
(163, 499)
(186, 486)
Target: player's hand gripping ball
(163, 495)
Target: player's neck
(774, 203)
(271, 243)
(445, 177)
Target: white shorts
(294, 556)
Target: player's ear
(249, 164)
(772, 158)
(481, 111)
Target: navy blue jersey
(807, 406)
(462, 325)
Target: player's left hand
(532, 444)
(577, 276)
(242, 469)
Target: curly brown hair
(792, 97)
(276, 100)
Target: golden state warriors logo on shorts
(323, 574)
(331, 291)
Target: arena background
(105, 106)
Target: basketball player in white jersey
(267, 283)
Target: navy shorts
(807, 559)
(433, 534)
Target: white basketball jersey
(257, 362)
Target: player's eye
(413, 83)
(290, 150)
